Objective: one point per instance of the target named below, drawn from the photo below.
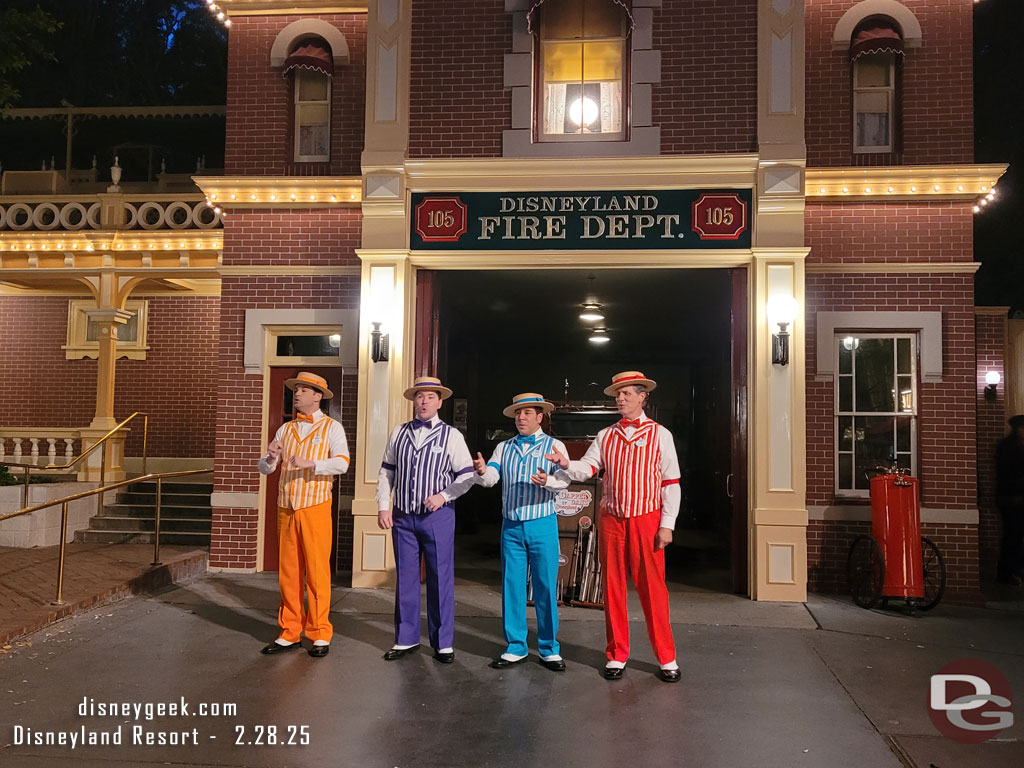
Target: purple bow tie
(418, 423)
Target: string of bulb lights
(218, 12)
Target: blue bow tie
(526, 439)
(419, 423)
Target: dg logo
(970, 701)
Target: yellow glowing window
(582, 61)
(312, 115)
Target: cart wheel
(934, 575)
(865, 571)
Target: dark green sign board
(673, 219)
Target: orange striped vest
(632, 471)
(301, 488)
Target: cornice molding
(234, 8)
(919, 183)
(233, 192)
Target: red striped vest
(632, 471)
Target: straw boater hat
(430, 383)
(528, 400)
(629, 379)
(310, 380)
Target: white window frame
(890, 91)
(78, 347)
(914, 415)
(296, 109)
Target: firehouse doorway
(491, 334)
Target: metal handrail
(65, 500)
(103, 457)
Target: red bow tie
(624, 423)
(304, 417)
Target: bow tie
(304, 417)
(420, 423)
(526, 439)
(624, 423)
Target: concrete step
(138, 510)
(167, 498)
(142, 537)
(111, 523)
(150, 487)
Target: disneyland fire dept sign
(527, 221)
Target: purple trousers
(431, 535)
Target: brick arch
(287, 37)
(896, 11)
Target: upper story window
(581, 70)
(311, 66)
(876, 52)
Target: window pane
(313, 114)
(562, 18)
(846, 471)
(906, 394)
(845, 433)
(872, 130)
(874, 70)
(874, 445)
(846, 393)
(312, 85)
(306, 346)
(874, 377)
(903, 356)
(602, 61)
(563, 62)
(903, 435)
(846, 347)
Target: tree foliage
(25, 37)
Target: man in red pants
(639, 504)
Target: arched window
(876, 52)
(581, 77)
(311, 66)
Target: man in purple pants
(426, 466)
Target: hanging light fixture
(599, 336)
(591, 313)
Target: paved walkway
(93, 574)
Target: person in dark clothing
(1010, 497)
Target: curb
(177, 571)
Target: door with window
(281, 412)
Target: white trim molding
(287, 36)
(898, 12)
(854, 513)
(257, 319)
(927, 324)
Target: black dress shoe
(278, 648)
(669, 675)
(319, 651)
(612, 673)
(397, 653)
(502, 663)
(555, 665)
(445, 658)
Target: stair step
(150, 487)
(189, 525)
(141, 537)
(173, 499)
(138, 510)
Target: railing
(35, 437)
(27, 468)
(71, 212)
(98, 492)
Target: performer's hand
(384, 520)
(556, 457)
(274, 450)
(479, 465)
(662, 538)
(435, 502)
(298, 463)
(540, 478)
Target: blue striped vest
(521, 499)
(421, 472)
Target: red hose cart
(895, 561)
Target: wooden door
(280, 412)
(736, 482)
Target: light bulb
(583, 111)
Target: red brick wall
(829, 541)
(937, 88)
(458, 104)
(706, 101)
(310, 237)
(990, 335)
(173, 384)
(259, 135)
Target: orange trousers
(627, 550)
(304, 537)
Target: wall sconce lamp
(379, 344)
(992, 379)
(782, 311)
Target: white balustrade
(26, 443)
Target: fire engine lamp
(380, 310)
(379, 344)
(992, 379)
(781, 310)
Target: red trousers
(627, 546)
(304, 537)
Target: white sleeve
(559, 479)
(264, 466)
(462, 465)
(337, 451)
(492, 472)
(386, 475)
(590, 464)
(671, 494)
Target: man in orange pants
(314, 449)
(639, 504)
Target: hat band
(300, 380)
(628, 378)
(528, 400)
